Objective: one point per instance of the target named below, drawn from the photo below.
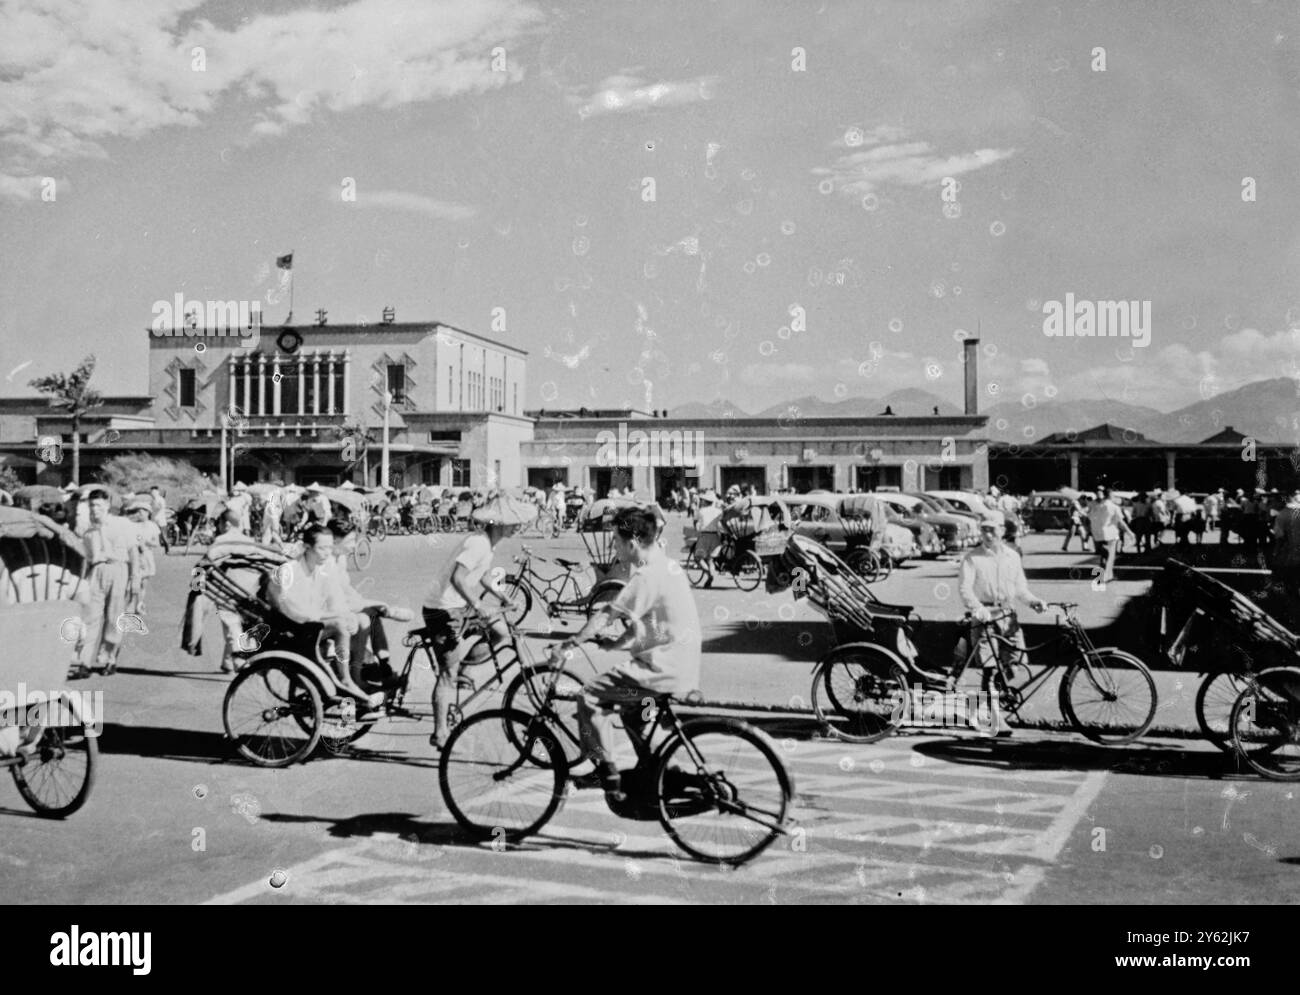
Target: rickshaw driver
(991, 575)
(305, 590)
(456, 589)
(662, 636)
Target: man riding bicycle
(662, 637)
(459, 589)
(991, 575)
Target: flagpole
(290, 318)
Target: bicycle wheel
(1113, 702)
(748, 571)
(1214, 700)
(1265, 724)
(520, 600)
(865, 688)
(380, 528)
(273, 714)
(526, 694)
(695, 571)
(362, 555)
(865, 563)
(722, 789)
(56, 779)
(339, 727)
(491, 787)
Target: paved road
(1044, 817)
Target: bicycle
(744, 565)
(362, 553)
(1107, 695)
(1265, 723)
(561, 593)
(341, 727)
(716, 785)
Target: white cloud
(776, 374)
(399, 200)
(77, 73)
(864, 170)
(630, 93)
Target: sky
(800, 153)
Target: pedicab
(745, 524)
(34, 497)
(350, 504)
(52, 755)
(197, 521)
(568, 592)
(859, 527)
(1249, 701)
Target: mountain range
(1267, 410)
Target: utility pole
(383, 470)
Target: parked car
(1045, 510)
(951, 530)
(970, 522)
(968, 501)
(818, 517)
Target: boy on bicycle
(662, 637)
(459, 589)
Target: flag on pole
(284, 262)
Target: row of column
(315, 359)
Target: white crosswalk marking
(879, 823)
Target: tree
(72, 392)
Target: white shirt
(992, 578)
(309, 596)
(708, 518)
(475, 555)
(1104, 518)
(666, 656)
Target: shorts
(444, 630)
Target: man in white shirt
(708, 526)
(662, 637)
(158, 512)
(1107, 524)
(272, 514)
(305, 590)
(991, 577)
(458, 589)
(112, 549)
(371, 613)
(241, 503)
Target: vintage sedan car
(969, 520)
(821, 517)
(1046, 510)
(952, 530)
(968, 501)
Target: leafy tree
(72, 393)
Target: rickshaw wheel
(273, 714)
(362, 555)
(56, 780)
(748, 571)
(695, 571)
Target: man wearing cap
(990, 578)
(458, 591)
(113, 557)
(708, 528)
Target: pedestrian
(158, 510)
(112, 553)
(1106, 522)
(272, 513)
(1213, 506)
(1141, 521)
(1078, 523)
(708, 528)
(148, 539)
(1286, 548)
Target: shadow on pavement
(169, 744)
(1022, 753)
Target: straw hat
(315, 487)
(240, 486)
(503, 509)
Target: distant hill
(1268, 410)
(1047, 417)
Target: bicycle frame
(551, 591)
(394, 704)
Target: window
(460, 473)
(496, 478)
(289, 388)
(337, 373)
(188, 388)
(397, 382)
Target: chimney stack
(972, 376)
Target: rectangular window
(337, 373)
(237, 398)
(397, 382)
(309, 387)
(460, 473)
(289, 389)
(188, 389)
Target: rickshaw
(198, 519)
(36, 496)
(860, 689)
(350, 504)
(565, 593)
(42, 576)
(859, 527)
(744, 524)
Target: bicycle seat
(571, 564)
